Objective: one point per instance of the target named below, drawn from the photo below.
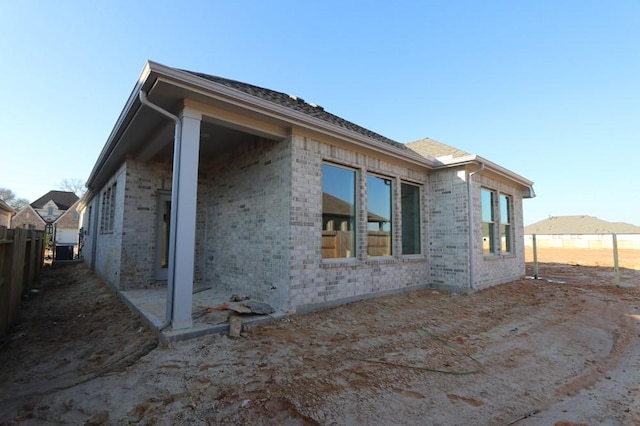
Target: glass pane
(338, 212)
(410, 218)
(488, 245)
(505, 238)
(378, 216)
(505, 209)
(487, 205)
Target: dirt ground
(627, 258)
(563, 352)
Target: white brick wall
(246, 210)
(108, 247)
(448, 236)
(139, 234)
(315, 281)
(492, 270)
(259, 226)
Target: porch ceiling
(214, 140)
(145, 134)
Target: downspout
(480, 168)
(177, 142)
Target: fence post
(615, 260)
(535, 257)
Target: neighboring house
(582, 232)
(6, 212)
(224, 184)
(27, 217)
(56, 213)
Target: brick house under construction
(256, 192)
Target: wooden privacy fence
(21, 260)
(340, 243)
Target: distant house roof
(338, 207)
(297, 104)
(6, 207)
(573, 225)
(433, 148)
(63, 199)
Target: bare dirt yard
(565, 352)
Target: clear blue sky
(548, 89)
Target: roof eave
(124, 118)
(283, 113)
(493, 167)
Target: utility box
(64, 252)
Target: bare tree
(9, 197)
(73, 185)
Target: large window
(338, 212)
(505, 223)
(497, 218)
(488, 221)
(378, 216)
(410, 207)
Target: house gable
(62, 200)
(53, 204)
(27, 217)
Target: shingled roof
(432, 148)
(6, 207)
(575, 225)
(297, 104)
(63, 199)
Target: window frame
(351, 224)
(489, 247)
(108, 209)
(497, 229)
(505, 225)
(416, 234)
(388, 246)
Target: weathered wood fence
(21, 260)
(340, 243)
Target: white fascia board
(489, 165)
(245, 100)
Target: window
(488, 221)
(338, 212)
(410, 206)
(505, 223)
(108, 210)
(497, 218)
(89, 220)
(50, 211)
(378, 216)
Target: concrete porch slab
(208, 318)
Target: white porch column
(183, 218)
